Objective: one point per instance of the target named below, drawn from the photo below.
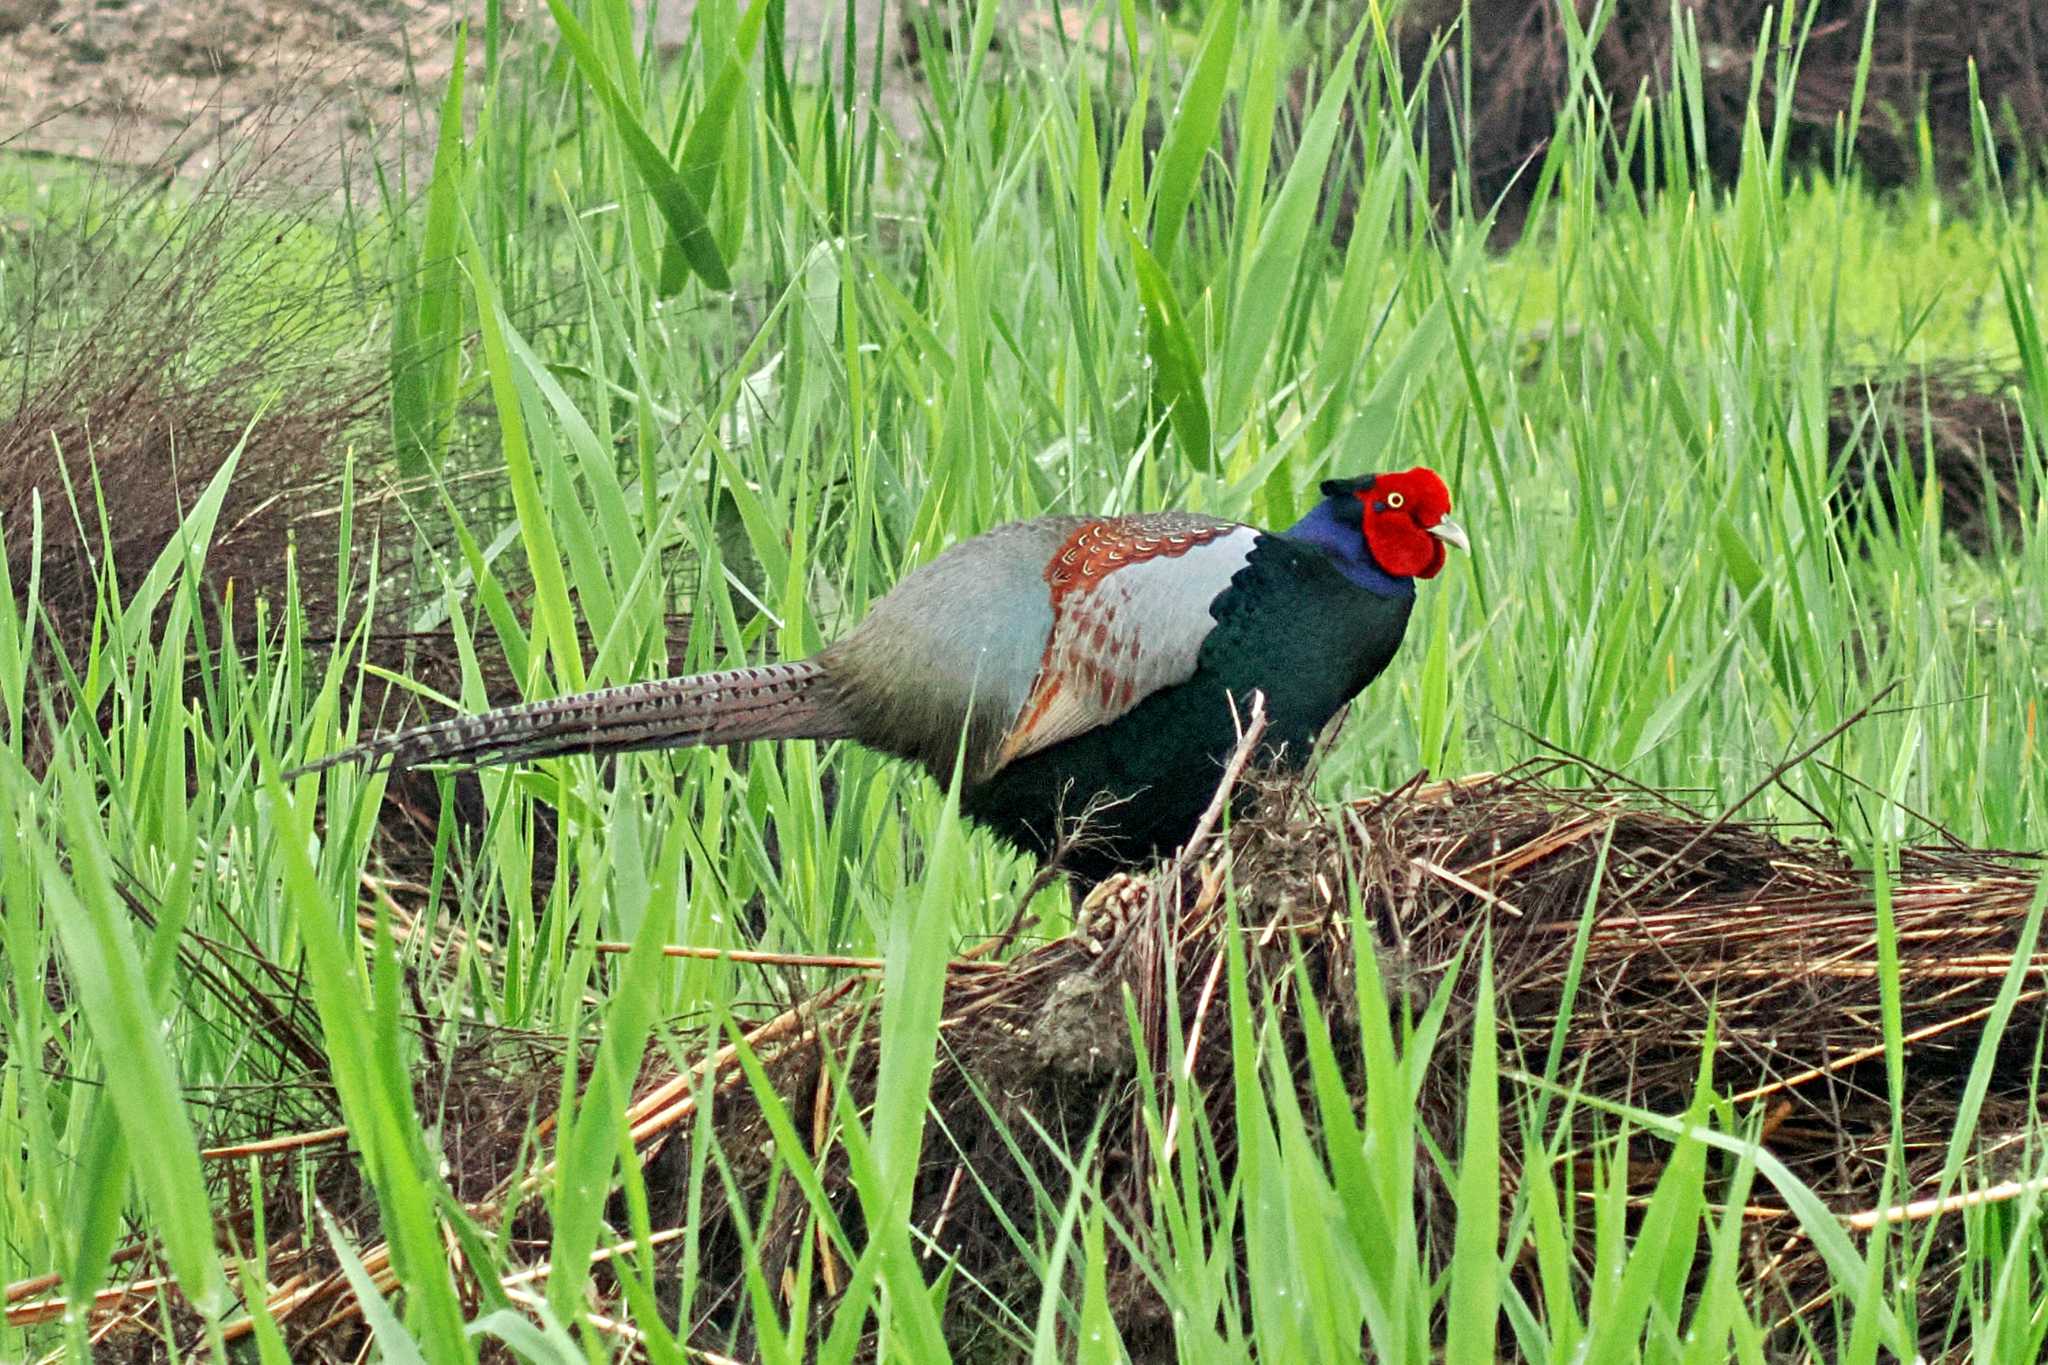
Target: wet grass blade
(1192, 133)
(1176, 372)
(1474, 1305)
(104, 969)
(689, 233)
(427, 313)
(703, 147)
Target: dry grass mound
(1773, 938)
(157, 329)
(156, 332)
(1683, 918)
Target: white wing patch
(1130, 613)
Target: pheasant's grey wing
(1130, 599)
(954, 648)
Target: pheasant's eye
(1394, 500)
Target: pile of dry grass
(1773, 938)
(1691, 917)
(137, 361)
(157, 329)
(484, 1099)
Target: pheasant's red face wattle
(1406, 522)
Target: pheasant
(1073, 668)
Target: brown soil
(169, 86)
(156, 85)
(1961, 423)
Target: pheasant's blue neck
(1332, 526)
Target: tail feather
(773, 701)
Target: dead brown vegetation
(1921, 63)
(1684, 919)
(160, 330)
(1959, 426)
(1691, 919)
(158, 334)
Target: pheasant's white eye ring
(1394, 501)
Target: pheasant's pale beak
(1450, 533)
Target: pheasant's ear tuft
(1347, 488)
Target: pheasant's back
(1033, 633)
(955, 646)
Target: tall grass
(749, 352)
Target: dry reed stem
(285, 1143)
(1921, 1210)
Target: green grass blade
(1176, 373)
(396, 1344)
(688, 231)
(104, 969)
(1282, 247)
(1474, 1304)
(703, 148)
(426, 325)
(1191, 134)
(590, 1145)
(536, 521)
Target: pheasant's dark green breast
(1289, 625)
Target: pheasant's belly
(1127, 794)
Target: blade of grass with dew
(1192, 131)
(1099, 1341)
(1176, 372)
(790, 1149)
(1553, 1238)
(536, 527)
(613, 524)
(884, 1163)
(1280, 252)
(1473, 1306)
(1375, 1234)
(689, 233)
(1045, 1339)
(1325, 1289)
(590, 1145)
(427, 313)
(544, 1343)
(1720, 1305)
(370, 1079)
(703, 148)
(913, 994)
(396, 1344)
(271, 1348)
(106, 972)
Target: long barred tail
(774, 701)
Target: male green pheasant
(1076, 668)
